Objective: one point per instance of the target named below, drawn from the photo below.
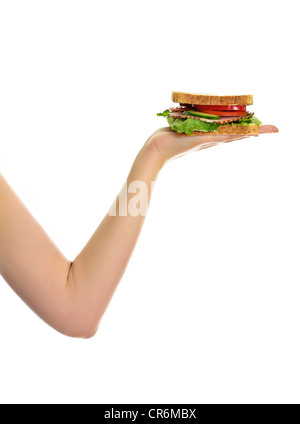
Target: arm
(72, 296)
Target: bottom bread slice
(229, 129)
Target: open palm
(171, 145)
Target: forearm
(97, 270)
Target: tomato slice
(223, 112)
(230, 107)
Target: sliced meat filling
(223, 120)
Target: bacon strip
(181, 108)
(223, 120)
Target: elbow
(86, 334)
(80, 332)
(83, 330)
(79, 320)
(79, 326)
(89, 332)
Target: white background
(208, 310)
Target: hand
(171, 145)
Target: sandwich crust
(206, 99)
(228, 129)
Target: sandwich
(199, 114)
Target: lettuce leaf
(165, 113)
(189, 125)
(247, 122)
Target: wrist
(150, 157)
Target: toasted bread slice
(229, 129)
(206, 99)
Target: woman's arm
(72, 296)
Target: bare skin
(73, 296)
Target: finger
(195, 149)
(212, 140)
(268, 129)
(239, 138)
(263, 129)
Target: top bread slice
(206, 99)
